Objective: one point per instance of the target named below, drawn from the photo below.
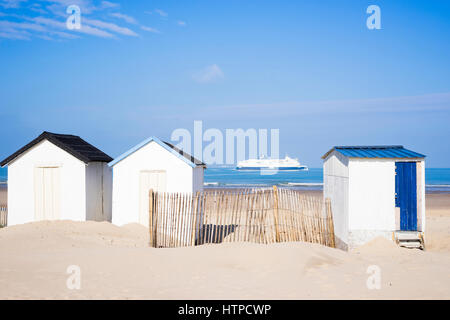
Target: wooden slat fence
(3, 216)
(251, 215)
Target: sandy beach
(116, 263)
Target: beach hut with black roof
(376, 191)
(58, 177)
(154, 165)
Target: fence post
(194, 219)
(150, 218)
(330, 222)
(275, 212)
(3, 216)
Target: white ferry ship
(271, 164)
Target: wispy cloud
(21, 30)
(8, 25)
(124, 17)
(51, 21)
(161, 13)
(149, 29)
(15, 35)
(209, 74)
(11, 3)
(109, 26)
(391, 105)
(389, 108)
(45, 37)
(38, 10)
(59, 6)
(98, 18)
(85, 28)
(181, 23)
(108, 4)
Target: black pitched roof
(74, 145)
(186, 155)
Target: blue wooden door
(406, 194)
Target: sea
(436, 179)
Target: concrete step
(410, 244)
(407, 235)
(409, 239)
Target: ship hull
(276, 168)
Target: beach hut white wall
(374, 191)
(58, 177)
(152, 164)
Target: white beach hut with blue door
(151, 165)
(376, 191)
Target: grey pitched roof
(391, 152)
(74, 145)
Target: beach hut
(375, 191)
(152, 164)
(58, 177)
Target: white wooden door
(156, 180)
(46, 193)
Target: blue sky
(309, 68)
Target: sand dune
(116, 263)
